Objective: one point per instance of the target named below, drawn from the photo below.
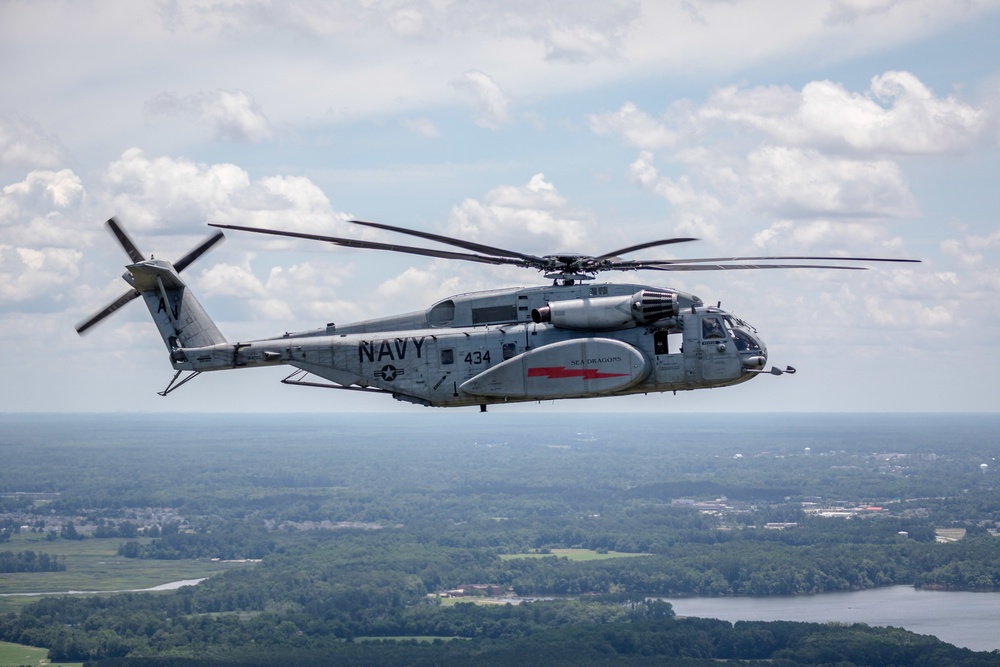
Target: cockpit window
(744, 341)
(711, 327)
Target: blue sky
(762, 127)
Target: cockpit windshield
(737, 330)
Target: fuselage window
(448, 356)
(660, 342)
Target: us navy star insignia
(388, 372)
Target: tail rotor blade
(137, 257)
(83, 326)
(125, 240)
(202, 248)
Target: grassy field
(426, 639)
(94, 565)
(474, 599)
(12, 655)
(574, 554)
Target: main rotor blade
(714, 263)
(728, 267)
(125, 240)
(448, 240)
(107, 310)
(696, 260)
(372, 245)
(641, 246)
(197, 252)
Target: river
(971, 620)
(172, 586)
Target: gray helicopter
(570, 339)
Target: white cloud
(309, 290)
(27, 274)
(969, 249)
(492, 104)
(231, 114)
(421, 286)
(230, 280)
(579, 32)
(45, 190)
(698, 211)
(838, 237)
(527, 218)
(791, 182)
(41, 233)
(897, 115)
(165, 193)
(24, 144)
(42, 210)
(816, 153)
(635, 127)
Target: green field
(574, 554)
(424, 639)
(13, 655)
(94, 565)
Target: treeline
(819, 556)
(317, 590)
(226, 542)
(29, 561)
(149, 631)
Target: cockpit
(716, 325)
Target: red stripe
(560, 372)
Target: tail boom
(178, 315)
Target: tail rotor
(134, 254)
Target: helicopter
(571, 339)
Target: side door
(719, 358)
(668, 357)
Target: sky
(761, 127)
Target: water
(171, 586)
(970, 620)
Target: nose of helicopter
(757, 358)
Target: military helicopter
(570, 339)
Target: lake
(971, 620)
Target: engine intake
(608, 313)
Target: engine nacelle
(607, 313)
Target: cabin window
(447, 356)
(664, 342)
(442, 314)
(660, 343)
(509, 350)
(490, 314)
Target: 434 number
(478, 357)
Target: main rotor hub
(567, 278)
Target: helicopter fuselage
(512, 345)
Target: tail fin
(182, 321)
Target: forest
(352, 544)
